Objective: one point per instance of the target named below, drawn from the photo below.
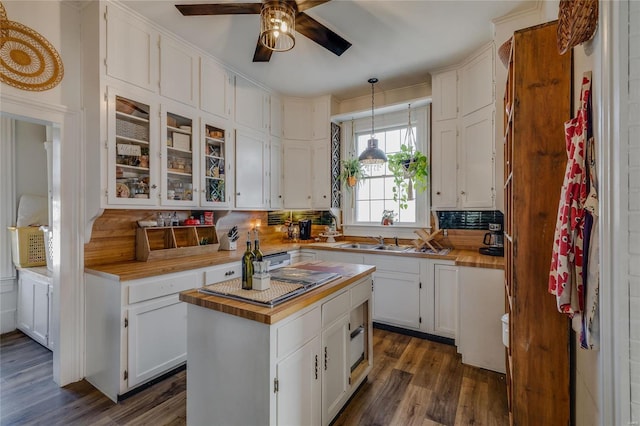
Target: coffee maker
(493, 240)
(305, 229)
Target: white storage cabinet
(35, 295)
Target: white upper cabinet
(477, 160)
(251, 174)
(297, 118)
(321, 124)
(249, 104)
(132, 50)
(216, 88)
(275, 173)
(297, 174)
(444, 146)
(178, 71)
(320, 174)
(275, 116)
(445, 95)
(477, 82)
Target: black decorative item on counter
(247, 266)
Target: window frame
(350, 129)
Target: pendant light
(277, 25)
(373, 154)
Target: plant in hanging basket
(410, 171)
(352, 171)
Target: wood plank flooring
(413, 382)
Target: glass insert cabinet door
(179, 167)
(215, 165)
(131, 163)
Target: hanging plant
(410, 172)
(352, 172)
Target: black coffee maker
(493, 240)
(305, 229)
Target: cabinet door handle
(326, 357)
(316, 366)
(324, 196)
(461, 192)
(308, 197)
(237, 193)
(154, 186)
(438, 193)
(279, 196)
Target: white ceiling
(397, 41)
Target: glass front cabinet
(165, 155)
(179, 157)
(216, 164)
(131, 164)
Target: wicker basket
(129, 129)
(27, 246)
(504, 52)
(577, 23)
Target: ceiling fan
(304, 24)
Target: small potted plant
(410, 170)
(352, 171)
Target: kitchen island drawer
(222, 273)
(295, 333)
(150, 288)
(335, 308)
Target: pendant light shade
(373, 154)
(277, 25)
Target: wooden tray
(168, 242)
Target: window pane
(388, 188)
(362, 211)
(408, 214)
(377, 206)
(363, 189)
(377, 188)
(393, 140)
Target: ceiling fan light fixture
(277, 26)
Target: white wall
(633, 145)
(31, 160)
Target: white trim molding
(68, 230)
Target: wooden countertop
(132, 270)
(350, 273)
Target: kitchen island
(296, 363)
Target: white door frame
(68, 237)
(612, 140)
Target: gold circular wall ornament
(27, 60)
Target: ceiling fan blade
(309, 27)
(262, 54)
(220, 9)
(308, 4)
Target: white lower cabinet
(397, 299)
(445, 295)
(298, 396)
(156, 340)
(34, 304)
(135, 330)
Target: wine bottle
(257, 254)
(247, 266)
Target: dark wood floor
(413, 382)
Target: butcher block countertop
(133, 270)
(349, 274)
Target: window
(364, 206)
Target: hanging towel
(566, 276)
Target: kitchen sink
(374, 247)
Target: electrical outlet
(445, 232)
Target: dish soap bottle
(247, 266)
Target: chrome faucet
(379, 239)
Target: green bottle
(247, 266)
(257, 254)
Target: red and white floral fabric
(566, 278)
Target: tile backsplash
(469, 219)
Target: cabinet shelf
(178, 150)
(136, 168)
(178, 130)
(125, 116)
(133, 140)
(179, 172)
(210, 139)
(214, 157)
